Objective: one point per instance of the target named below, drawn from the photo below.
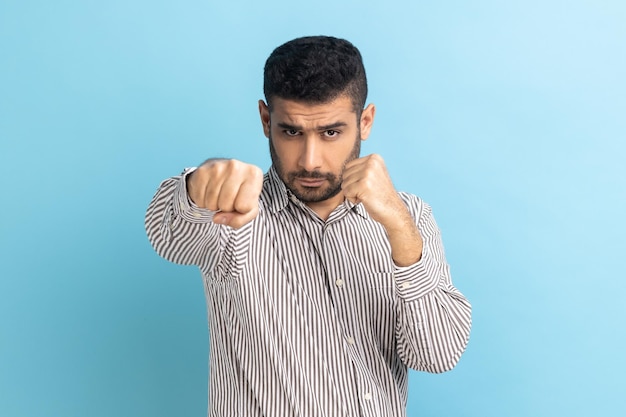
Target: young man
(323, 283)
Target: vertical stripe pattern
(310, 317)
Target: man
(323, 283)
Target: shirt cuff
(184, 207)
(417, 280)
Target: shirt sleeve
(180, 231)
(434, 318)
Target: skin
(315, 152)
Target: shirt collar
(275, 194)
(357, 208)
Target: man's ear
(367, 120)
(264, 112)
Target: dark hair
(315, 69)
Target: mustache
(304, 174)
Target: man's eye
(331, 133)
(291, 132)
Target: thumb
(222, 218)
(234, 219)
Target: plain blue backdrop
(507, 117)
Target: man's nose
(311, 157)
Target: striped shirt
(310, 317)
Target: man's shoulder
(415, 204)
(410, 197)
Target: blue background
(507, 117)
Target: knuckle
(225, 203)
(242, 206)
(376, 159)
(253, 173)
(231, 165)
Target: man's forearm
(405, 239)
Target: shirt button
(367, 396)
(406, 285)
(339, 283)
(350, 340)
(196, 214)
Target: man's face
(310, 144)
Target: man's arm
(434, 319)
(186, 217)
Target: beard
(313, 194)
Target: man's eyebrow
(331, 126)
(287, 126)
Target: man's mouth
(311, 182)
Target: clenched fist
(366, 181)
(230, 187)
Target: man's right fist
(230, 187)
